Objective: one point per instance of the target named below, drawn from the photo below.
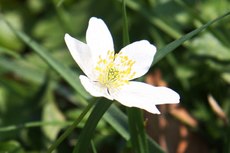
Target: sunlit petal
(81, 54)
(145, 96)
(142, 52)
(94, 88)
(98, 37)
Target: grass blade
(90, 126)
(70, 129)
(118, 120)
(135, 117)
(173, 45)
(66, 73)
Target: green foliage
(40, 93)
(11, 146)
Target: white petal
(142, 52)
(94, 88)
(98, 37)
(81, 54)
(145, 96)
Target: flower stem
(135, 116)
(125, 25)
(71, 128)
(137, 130)
(90, 126)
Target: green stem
(135, 117)
(70, 129)
(90, 126)
(33, 124)
(125, 25)
(93, 147)
(137, 131)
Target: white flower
(108, 74)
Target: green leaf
(135, 117)
(26, 71)
(173, 45)
(154, 20)
(209, 46)
(137, 131)
(118, 120)
(51, 113)
(8, 52)
(66, 73)
(154, 147)
(70, 129)
(169, 30)
(10, 147)
(2, 101)
(87, 132)
(125, 25)
(7, 37)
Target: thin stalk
(137, 131)
(33, 124)
(135, 117)
(93, 147)
(70, 129)
(90, 126)
(125, 25)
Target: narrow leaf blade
(173, 45)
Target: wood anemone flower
(109, 75)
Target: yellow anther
(111, 74)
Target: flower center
(114, 70)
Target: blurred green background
(32, 92)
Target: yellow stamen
(114, 74)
